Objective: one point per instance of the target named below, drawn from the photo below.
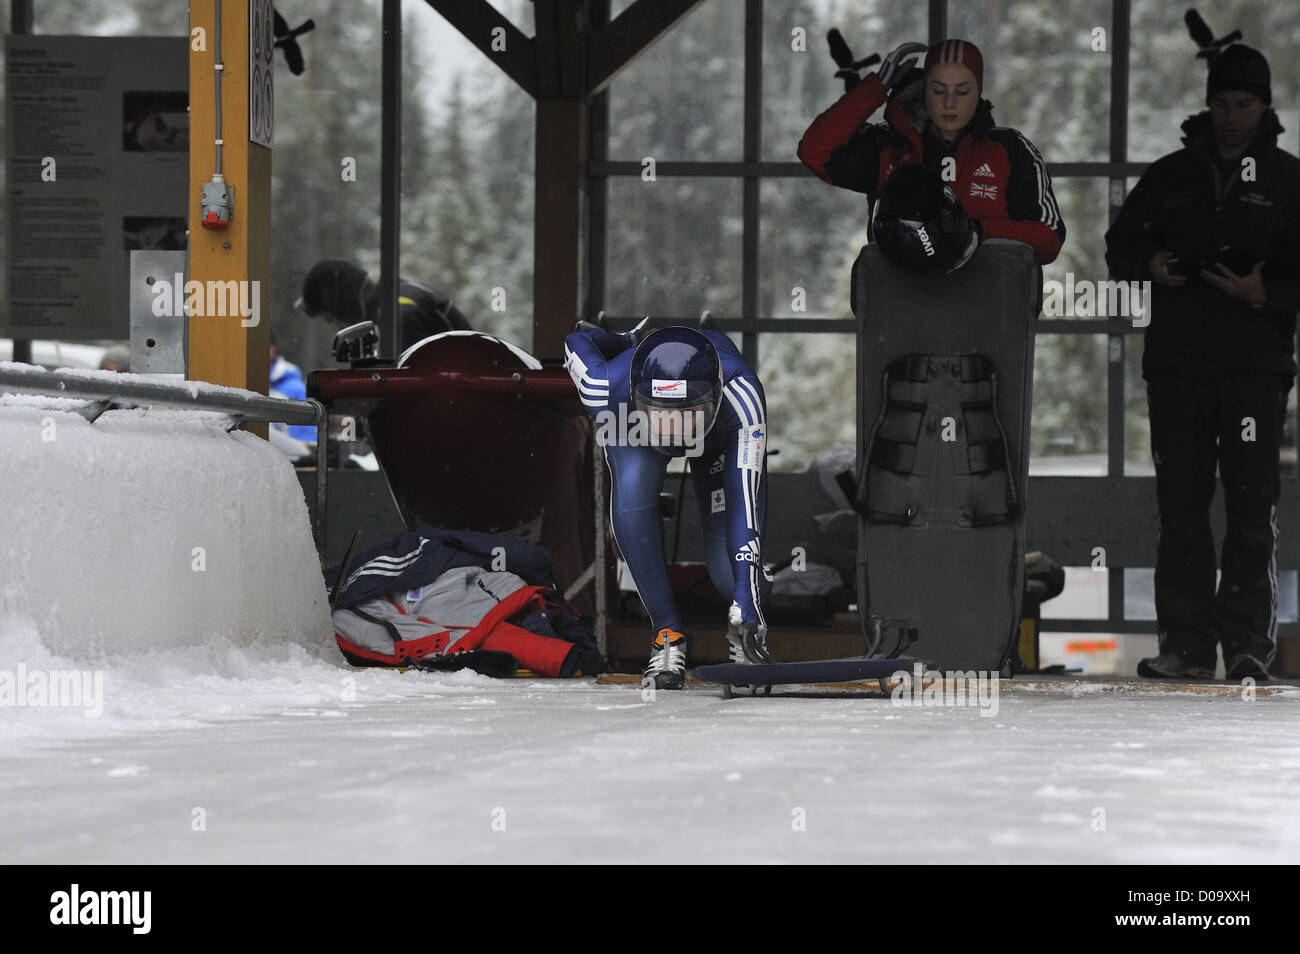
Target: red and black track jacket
(1001, 179)
(1185, 205)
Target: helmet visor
(678, 424)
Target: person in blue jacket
(679, 392)
(287, 381)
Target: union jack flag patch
(980, 190)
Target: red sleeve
(1041, 238)
(1033, 215)
(541, 654)
(839, 124)
(526, 597)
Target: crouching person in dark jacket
(1216, 228)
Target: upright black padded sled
(945, 379)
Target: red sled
(473, 433)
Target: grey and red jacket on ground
(423, 596)
(1184, 204)
(466, 609)
(1000, 178)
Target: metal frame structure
(577, 52)
(20, 24)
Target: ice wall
(150, 529)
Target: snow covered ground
(280, 753)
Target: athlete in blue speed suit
(728, 469)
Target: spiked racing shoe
(735, 640)
(667, 666)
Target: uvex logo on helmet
(925, 239)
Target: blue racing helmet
(677, 369)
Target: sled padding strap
(937, 455)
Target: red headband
(957, 51)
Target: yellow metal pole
(229, 349)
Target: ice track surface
(265, 747)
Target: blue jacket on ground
(415, 559)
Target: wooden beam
(390, 180)
(627, 36)
(499, 39)
(563, 142)
(230, 350)
(562, 146)
(560, 45)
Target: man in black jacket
(1216, 228)
(336, 290)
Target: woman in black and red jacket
(997, 173)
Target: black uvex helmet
(920, 222)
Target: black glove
(897, 63)
(850, 77)
(909, 90)
(485, 662)
(976, 236)
(638, 333)
(753, 639)
(849, 68)
(609, 344)
(287, 40)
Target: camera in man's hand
(1190, 264)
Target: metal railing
(200, 395)
(242, 406)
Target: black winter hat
(335, 288)
(1242, 68)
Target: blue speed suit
(729, 476)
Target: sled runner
(766, 676)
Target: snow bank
(149, 529)
(189, 687)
